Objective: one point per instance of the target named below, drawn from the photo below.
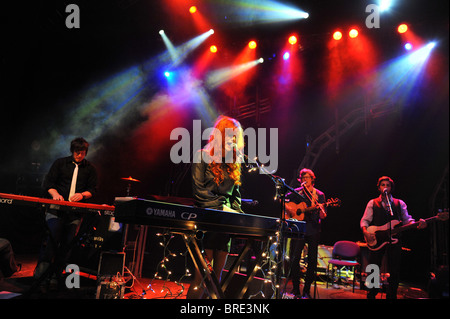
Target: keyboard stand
(206, 271)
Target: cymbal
(131, 179)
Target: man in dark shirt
(308, 200)
(74, 179)
(381, 211)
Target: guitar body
(382, 232)
(298, 211)
(381, 235)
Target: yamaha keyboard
(188, 218)
(11, 199)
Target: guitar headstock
(442, 214)
(334, 202)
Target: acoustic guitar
(298, 211)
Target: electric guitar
(382, 232)
(298, 211)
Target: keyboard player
(71, 178)
(216, 177)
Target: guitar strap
(313, 198)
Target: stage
(18, 287)
(351, 90)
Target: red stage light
(402, 28)
(252, 44)
(213, 49)
(193, 9)
(353, 33)
(292, 39)
(337, 35)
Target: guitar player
(307, 203)
(379, 212)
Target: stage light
(402, 28)
(252, 44)
(161, 32)
(408, 46)
(337, 35)
(431, 45)
(286, 56)
(292, 39)
(211, 31)
(213, 49)
(261, 60)
(193, 9)
(384, 5)
(421, 55)
(353, 33)
(167, 74)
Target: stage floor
(18, 287)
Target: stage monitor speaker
(110, 282)
(325, 253)
(97, 234)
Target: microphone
(303, 184)
(239, 153)
(385, 192)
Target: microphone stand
(281, 189)
(390, 225)
(314, 202)
(392, 215)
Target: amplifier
(110, 288)
(110, 281)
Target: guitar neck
(412, 225)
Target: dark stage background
(53, 81)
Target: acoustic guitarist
(381, 211)
(308, 203)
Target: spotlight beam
(263, 11)
(398, 79)
(186, 48)
(179, 54)
(170, 47)
(218, 77)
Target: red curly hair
(224, 125)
